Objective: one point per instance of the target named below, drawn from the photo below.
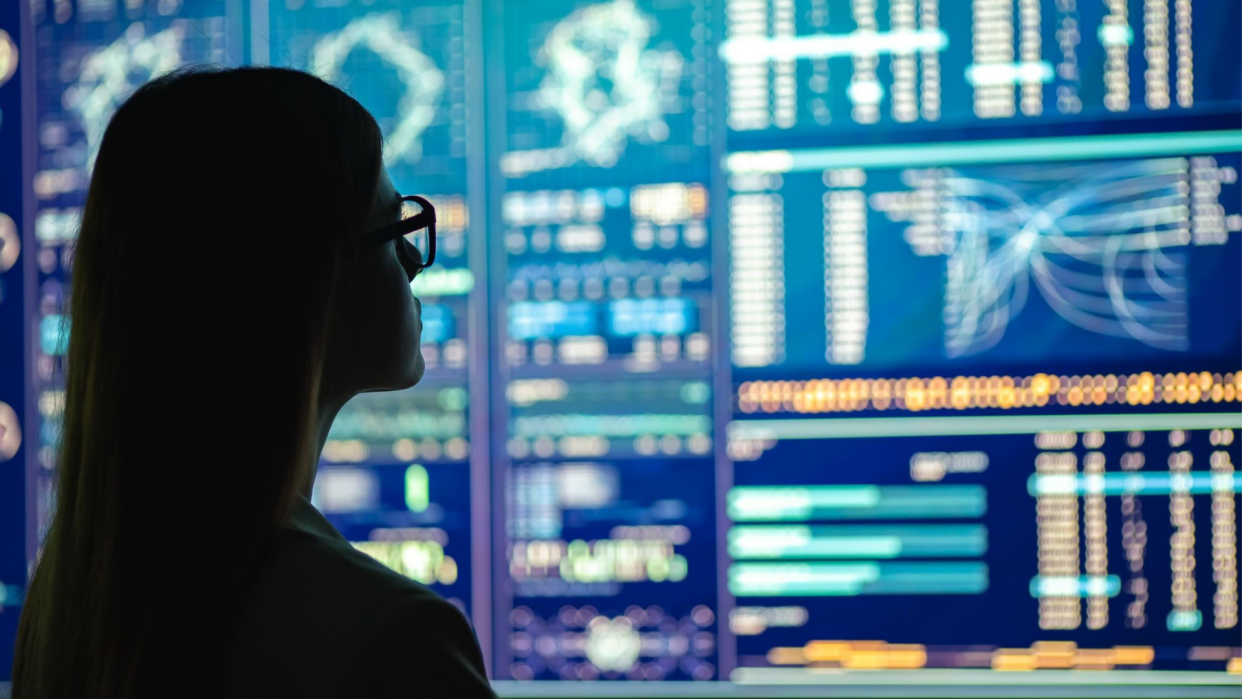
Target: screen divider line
(848, 428)
(986, 151)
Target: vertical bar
(477, 320)
(259, 37)
(27, 74)
(235, 21)
(722, 386)
(494, 137)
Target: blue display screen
(768, 341)
(1054, 262)
(811, 67)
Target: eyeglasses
(415, 234)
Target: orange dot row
(966, 392)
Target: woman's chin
(415, 374)
(410, 373)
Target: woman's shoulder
(331, 569)
(323, 615)
(441, 660)
(312, 556)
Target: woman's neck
(325, 414)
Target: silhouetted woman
(237, 278)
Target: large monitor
(774, 342)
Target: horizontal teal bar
(580, 425)
(849, 428)
(843, 502)
(983, 152)
(1155, 483)
(1070, 586)
(853, 579)
(858, 541)
(1184, 620)
(405, 423)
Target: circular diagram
(612, 644)
(10, 433)
(10, 243)
(8, 57)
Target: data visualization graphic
(606, 439)
(605, 82)
(406, 63)
(1095, 248)
(423, 82)
(983, 328)
(603, 85)
(952, 259)
(803, 66)
(1085, 537)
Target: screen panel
(770, 341)
(13, 291)
(605, 437)
(984, 356)
(816, 67)
(88, 57)
(395, 475)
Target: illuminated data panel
(1004, 542)
(1031, 254)
(800, 66)
(1011, 442)
(13, 387)
(605, 554)
(601, 88)
(395, 471)
(89, 56)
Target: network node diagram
(109, 75)
(1095, 241)
(423, 80)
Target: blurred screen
(769, 341)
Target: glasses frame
(426, 218)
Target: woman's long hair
(210, 245)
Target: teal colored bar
(54, 334)
(850, 428)
(417, 488)
(858, 541)
(1155, 483)
(838, 502)
(853, 579)
(1184, 621)
(1115, 35)
(984, 152)
(1009, 73)
(1081, 586)
(574, 425)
